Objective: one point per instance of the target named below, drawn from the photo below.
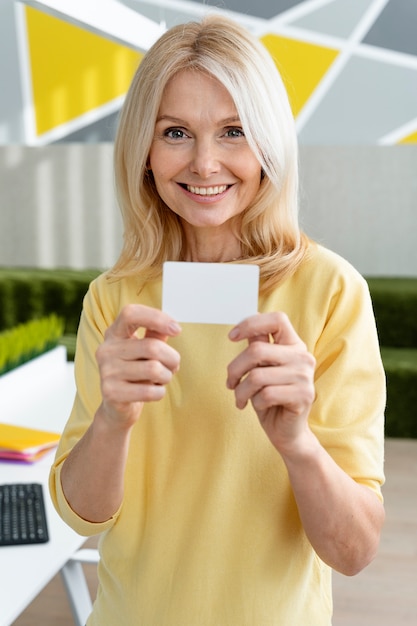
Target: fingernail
(174, 327)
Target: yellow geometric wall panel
(409, 139)
(73, 71)
(302, 66)
(339, 60)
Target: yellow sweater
(208, 533)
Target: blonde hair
(270, 234)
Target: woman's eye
(235, 132)
(175, 133)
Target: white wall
(57, 205)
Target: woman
(228, 469)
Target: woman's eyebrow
(176, 120)
(169, 118)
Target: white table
(25, 570)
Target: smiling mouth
(206, 191)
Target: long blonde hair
(270, 234)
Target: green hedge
(27, 294)
(401, 371)
(32, 293)
(395, 305)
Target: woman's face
(202, 165)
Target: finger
(261, 338)
(135, 316)
(155, 335)
(257, 354)
(142, 380)
(275, 324)
(286, 397)
(153, 372)
(126, 393)
(257, 380)
(112, 355)
(153, 365)
(276, 386)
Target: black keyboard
(22, 514)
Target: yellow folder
(25, 444)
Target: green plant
(29, 340)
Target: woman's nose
(205, 159)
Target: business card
(210, 293)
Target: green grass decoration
(27, 341)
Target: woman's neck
(211, 247)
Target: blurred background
(350, 67)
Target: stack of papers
(19, 443)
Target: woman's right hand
(135, 369)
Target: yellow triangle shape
(73, 71)
(302, 65)
(409, 139)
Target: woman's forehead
(191, 93)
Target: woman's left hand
(276, 373)
(341, 518)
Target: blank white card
(210, 293)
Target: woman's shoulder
(325, 284)
(323, 277)
(324, 265)
(110, 284)
(112, 291)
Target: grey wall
(57, 205)
(11, 102)
(362, 202)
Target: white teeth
(207, 191)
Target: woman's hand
(276, 373)
(341, 518)
(135, 370)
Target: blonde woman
(228, 469)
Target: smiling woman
(228, 469)
(248, 109)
